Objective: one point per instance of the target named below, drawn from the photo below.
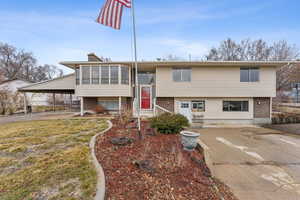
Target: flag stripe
(111, 14)
(126, 3)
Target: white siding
(214, 108)
(216, 82)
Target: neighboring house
(213, 92)
(34, 99)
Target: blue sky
(65, 30)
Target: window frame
(92, 75)
(181, 71)
(127, 80)
(242, 106)
(198, 109)
(115, 102)
(103, 78)
(250, 79)
(77, 75)
(83, 80)
(111, 82)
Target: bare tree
(18, 64)
(259, 50)
(14, 63)
(253, 50)
(46, 72)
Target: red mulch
(173, 173)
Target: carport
(61, 85)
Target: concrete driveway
(256, 163)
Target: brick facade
(261, 107)
(166, 102)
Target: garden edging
(100, 189)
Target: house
(33, 99)
(211, 92)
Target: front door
(185, 109)
(146, 96)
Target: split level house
(212, 92)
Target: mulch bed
(155, 167)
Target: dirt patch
(155, 167)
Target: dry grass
(48, 159)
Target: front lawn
(48, 159)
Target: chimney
(93, 58)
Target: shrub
(100, 110)
(169, 123)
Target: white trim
(109, 75)
(100, 78)
(91, 71)
(120, 105)
(81, 106)
(119, 74)
(80, 75)
(140, 89)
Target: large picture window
(249, 74)
(110, 105)
(86, 75)
(114, 75)
(77, 75)
(104, 74)
(125, 75)
(235, 106)
(95, 75)
(182, 74)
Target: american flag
(111, 13)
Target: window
(182, 74)
(249, 74)
(235, 106)
(104, 75)
(198, 106)
(77, 74)
(95, 75)
(146, 78)
(110, 105)
(86, 75)
(114, 75)
(125, 75)
(185, 105)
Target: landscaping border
(209, 164)
(100, 189)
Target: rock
(145, 165)
(121, 141)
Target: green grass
(48, 159)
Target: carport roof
(64, 85)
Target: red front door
(145, 97)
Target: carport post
(120, 105)
(53, 102)
(81, 106)
(25, 104)
(71, 102)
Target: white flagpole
(136, 67)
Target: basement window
(110, 105)
(198, 106)
(235, 106)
